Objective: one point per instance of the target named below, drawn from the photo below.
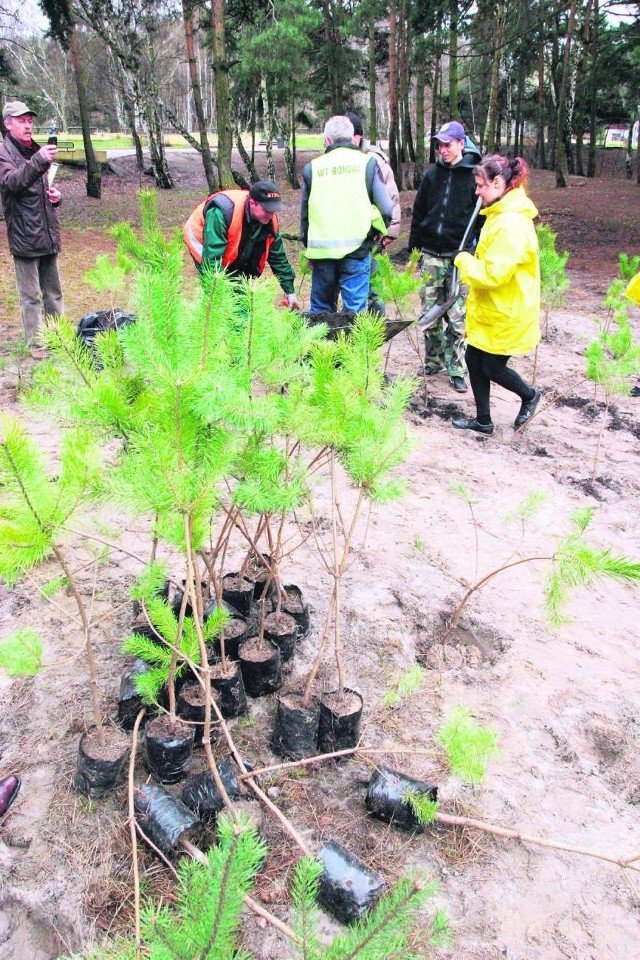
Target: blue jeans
(348, 276)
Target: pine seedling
(359, 418)
(628, 266)
(206, 921)
(573, 564)
(613, 356)
(181, 643)
(388, 930)
(87, 387)
(304, 894)
(577, 564)
(21, 653)
(468, 745)
(458, 489)
(54, 586)
(528, 509)
(404, 686)
(35, 506)
(553, 280)
(110, 276)
(396, 286)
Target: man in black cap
(29, 200)
(443, 206)
(238, 230)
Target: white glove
(292, 302)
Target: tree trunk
(561, 113)
(491, 136)
(453, 59)
(393, 92)
(246, 159)
(94, 173)
(209, 171)
(373, 113)
(268, 128)
(593, 92)
(435, 99)
(541, 153)
(418, 170)
(223, 95)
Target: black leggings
(487, 367)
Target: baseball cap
(266, 193)
(16, 108)
(358, 129)
(450, 131)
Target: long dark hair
(514, 171)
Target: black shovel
(439, 309)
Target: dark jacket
(32, 223)
(443, 207)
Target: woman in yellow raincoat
(503, 307)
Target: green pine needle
(404, 686)
(421, 805)
(21, 653)
(577, 564)
(467, 745)
(54, 586)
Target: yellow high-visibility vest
(340, 209)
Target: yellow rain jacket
(633, 290)
(503, 307)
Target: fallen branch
(320, 757)
(132, 825)
(452, 821)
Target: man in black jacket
(443, 206)
(29, 202)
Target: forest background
(542, 79)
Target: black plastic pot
(259, 574)
(190, 706)
(295, 732)
(234, 634)
(295, 606)
(386, 797)
(347, 888)
(230, 689)
(164, 819)
(130, 702)
(100, 768)
(169, 747)
(282, 630)
(201, 794)
(339, 727)
(176, 600)
(238, 592)
(261, 666)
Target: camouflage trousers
(444, 338)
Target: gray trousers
(38, 286)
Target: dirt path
(564, 703)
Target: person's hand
(48, 152)
(54, 195)
(292, 302)
(386, 241)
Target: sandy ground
(563, 702)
